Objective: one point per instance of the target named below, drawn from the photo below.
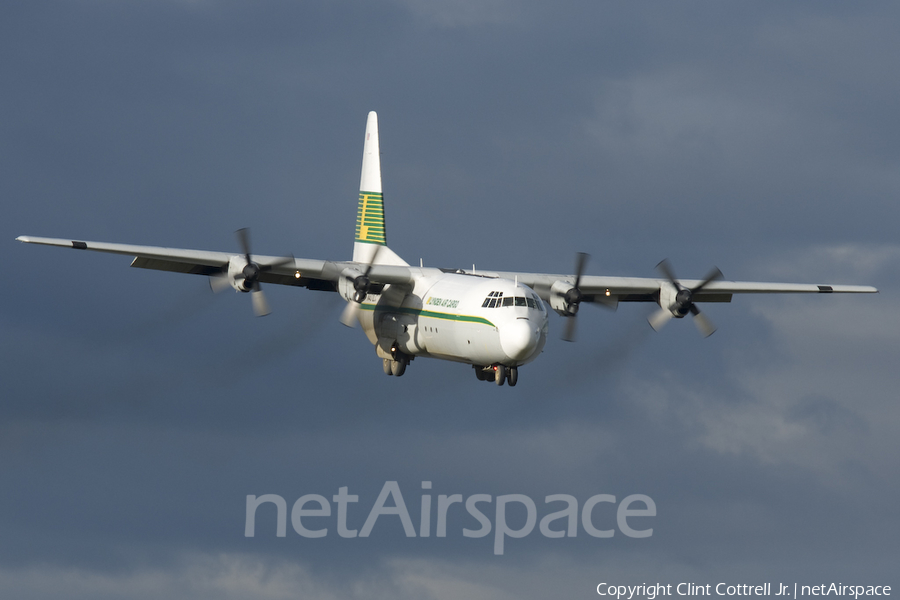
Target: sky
(139, 410)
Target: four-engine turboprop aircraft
(494, 321)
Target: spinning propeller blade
(684, 302)
(361, 284)
(250, 274)
(348, 316)
(574, 297)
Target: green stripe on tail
(370, 219)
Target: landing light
(297, 276)
(607, 292)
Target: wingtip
(23, 238)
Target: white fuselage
(460, 317)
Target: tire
(500, 377)
(512, 376)
(398, 367)
(387, 366)
(479, 373)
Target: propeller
(250, 273)
(361, 284)
(573, 297)
(684, 302)
(219, 282)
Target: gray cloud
(139, 411)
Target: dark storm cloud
(139, 410)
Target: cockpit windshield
(497, 300)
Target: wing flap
(311, 283)
(158, 264)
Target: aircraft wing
(302, 272)
(324, 275)
(611, 290)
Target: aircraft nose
(519, 338)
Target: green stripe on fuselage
(427, 313)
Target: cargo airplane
(494, 321)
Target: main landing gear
(395, 367)
(497, 373)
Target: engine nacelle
(346, 283)
(236, 277)
(677, 301)
(558, 292)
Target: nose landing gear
(499, 374)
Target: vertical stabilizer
(370, 228)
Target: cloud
(137, 416)
(190, 576)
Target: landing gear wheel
(387, 366)
(512, 376)
(479, 373)
(398, 367)
(500, 376)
